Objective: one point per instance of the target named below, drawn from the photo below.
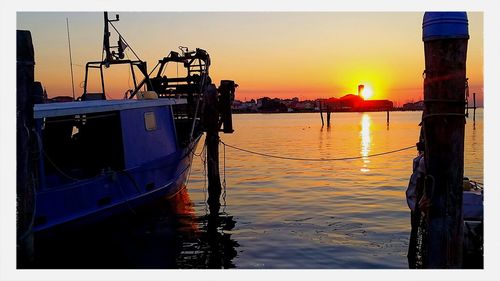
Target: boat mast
(110, 55)
(70, 60)
(115, 55)
(105, 43)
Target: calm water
(279, 213)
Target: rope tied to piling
(315, 159)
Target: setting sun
(367, 92)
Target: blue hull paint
(78, 203)
(136, 166)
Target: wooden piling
(25, 185)
(211, 122)
(328, 115)
(474, 114)
(321, 114)
(444, 125)
(388, 120)
(226, 98)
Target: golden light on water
(365, 141)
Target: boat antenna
(122, 43)
(70, 61)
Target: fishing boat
(97, 157)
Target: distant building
(247, 106)
(348, 102)
(419, 105)
(375, 105)
(360, 90)
(267, 104)
(307, 105)
(352, 102)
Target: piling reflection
(212, 247)
(204, 241)
(365, 141)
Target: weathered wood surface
(211, 121)
(444, 125)
(24, 178)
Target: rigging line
(70, 60)
(317, 159)
(201, 152)
(203, 157)
(193, 152)
(163, 70)
(129, 71)
(39, 141)
(112, 25)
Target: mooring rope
(203, 158)
(224, 182)
(316, 159)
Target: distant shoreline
(313, 111)
(354, 111)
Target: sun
(367, 92)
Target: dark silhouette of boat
(97, 157)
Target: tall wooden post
(211, 121)
(474, 114)
(226, 98)
(445, 36)
(328, 115)
(388, 120)
(321, 114)
(24, 112)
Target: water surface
(277, 213)
(337, 214)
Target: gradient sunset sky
(277, 54)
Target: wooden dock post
(328, 115)
(474, 114)
(211, 121)
(226, 90)
(321, 114)
(24, 178)
(388, 120)
(445, 36)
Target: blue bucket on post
(445, 25)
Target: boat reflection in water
(165, 234)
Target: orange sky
(278, 54)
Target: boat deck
(95, 106)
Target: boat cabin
(84, 139)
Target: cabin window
(81, 146)
(150, 121)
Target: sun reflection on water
(365, 141)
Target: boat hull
(113, 192)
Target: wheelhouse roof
(84, 107)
